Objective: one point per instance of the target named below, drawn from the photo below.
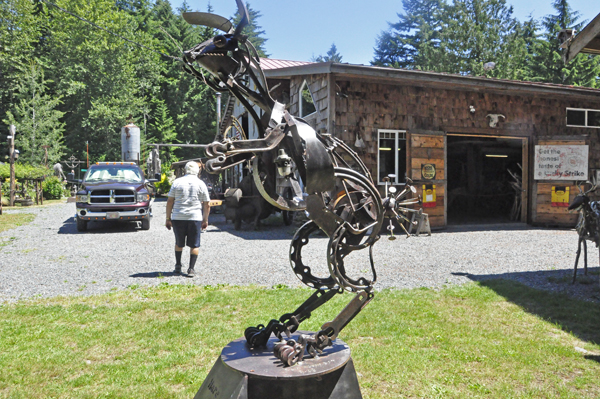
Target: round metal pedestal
(241, 373)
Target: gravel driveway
(48, 257)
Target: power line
(110, 32)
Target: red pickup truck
(114, 191)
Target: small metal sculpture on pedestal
(588, 224)
(325, 177)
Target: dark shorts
(189, 229)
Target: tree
(191, 104)
(162, 130)
(36, 119)
(331, 56)
(20, 26)
(400, 45)
(253, 30)
(102, 78)
(473, 33)
(547, 64)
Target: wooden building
(480, 150)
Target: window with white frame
(307, 104)
(583, 117)
(391, 155)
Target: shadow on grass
(593, 357)
(576, 316)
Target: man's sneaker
(190, 272)
(177, 269)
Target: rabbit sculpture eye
(321, 175)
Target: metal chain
(110, 32)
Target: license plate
(112, 215)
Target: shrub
(53, 188)
(164, 185)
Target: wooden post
(11, 153)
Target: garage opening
(484, 179)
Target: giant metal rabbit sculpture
(328, 180)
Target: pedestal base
(241, 373)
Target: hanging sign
(561, 162)
(560, 196)
(429, 199)
(428, 171)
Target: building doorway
(484, 179)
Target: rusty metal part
(302, 271)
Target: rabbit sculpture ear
(208, 19)
(244, 21)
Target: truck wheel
(81, 225)
(146, 224)
(288, 217)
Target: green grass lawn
(11, 220)
(496, 339)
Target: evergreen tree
(547, 64)
(253, 30)
(474, 33)
(103, 79)
(162, 130)
(20, 26)
(190, 103)
(36, 119)
(400, 45)
(331, 56)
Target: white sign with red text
(561, 162)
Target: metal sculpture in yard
(588, 224)
(322, 175)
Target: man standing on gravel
(187, 213)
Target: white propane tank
(130, 143)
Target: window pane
(308, 106)
(575, 117)
(594, 118)
(401, 160)
(387, 158)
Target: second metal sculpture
(322, 176)
(588, 224)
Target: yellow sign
(428, 171)
(560, 196)
(429, 199)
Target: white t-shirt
(189, 193)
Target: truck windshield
(114, 173)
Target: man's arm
(170, 202)
(205, 213)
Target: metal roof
(419, 77)
(268, 64)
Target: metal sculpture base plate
(242, 373)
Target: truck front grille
(112, 197)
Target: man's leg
(178, 252)
(193, 258)
(194, 243)
(179, 232)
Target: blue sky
(299, 30)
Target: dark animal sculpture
(588, 224)
(324, 177)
